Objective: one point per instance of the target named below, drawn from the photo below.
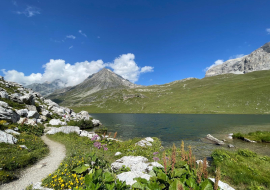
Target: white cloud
(70, 47)
(268, 30)
(217, 62)
(237, 56)
(29, 11)
(146, 69)
(124, 65)
(71, 37)
(82, 33)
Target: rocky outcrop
(139, 167)
(57, 122)
(256, 61)
(9, 115)
(7, 138)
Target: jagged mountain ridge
(104, 79)
(256, 61)
(47, 88)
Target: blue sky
(148, 42)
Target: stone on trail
(7, 138)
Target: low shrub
(83, 124)
(29, 129)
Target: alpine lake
(191, 128)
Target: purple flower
(94, 138)
(156, 159)
(105, 147)
(97, 145)
(155, 153)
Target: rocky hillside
(24, 106)
(47, 88)
(104, 79)
(256, 61)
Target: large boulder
(139, 166)
(9, 115)
(64, 129)
(22, 112)
(28, 99)
(33, 114)
(16, 97)
(57, 122)
(7, 138)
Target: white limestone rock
(10, 131)
(7, 138)
(33, 114)
(31, 108)
(23, 146)
(3, 104)
(28, 99)
(4, 94)
(57, 122)
(222, 185)
(96, 122)
(143, 143)
(65, 129)
(117, 153)
(22, 112)
(46, 113)
(211, 138)
(128, 177)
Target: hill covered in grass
(222, 94)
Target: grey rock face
(31, 108)
(7, 138)
(47, 88)
(16, 97)
(9, 115)
(3, 104)
(256, 61)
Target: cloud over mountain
(124, 65)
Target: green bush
(101, 130)
(83, 124)
(29, 129)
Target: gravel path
(41, 169)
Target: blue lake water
(192, 128)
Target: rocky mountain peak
(256, 61)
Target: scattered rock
(9, 115)
(57, 122)
(222, 185)
(31, 108)
(145, 142)
(231, 146)
(10, 131)
(230, 136)
(65, 129)
(211, 138)
(46, 113)
(3, 104)
(248, 140)
(41, 165)
(43, 118)
(117, 153)
(201, 161)
(7, 138)
(33, 114)
(22, 112)
(23, 146)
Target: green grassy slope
(222, 94)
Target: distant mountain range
(256, 61)
(102, 80)
(47, 88)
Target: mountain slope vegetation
(222, 94)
